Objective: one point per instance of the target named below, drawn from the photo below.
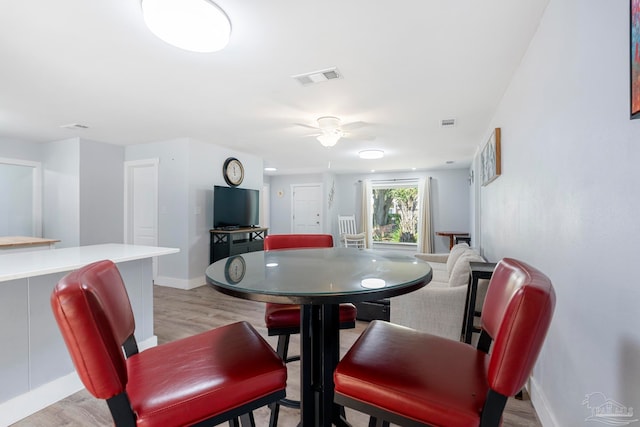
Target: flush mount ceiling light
(194, 25)
(371, 154)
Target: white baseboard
(173, 282)
(541, 405)
(29, 403)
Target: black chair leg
(377, 422)
(275, 411)
(283, 346)
(282, 350)
(247, 420)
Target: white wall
(281, 199)
(61, 195)
(16, 200)
(19, 149)
(450, 199)
(205, 167)
(187, 172)
(82, 188)
(173, 199)
(567, 202)
(101, 193)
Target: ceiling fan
(331, 130)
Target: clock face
(234, 269)
(233, 171)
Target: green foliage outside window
(395, 215)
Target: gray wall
(82, 189)
(281, 200)
(567, 203)
(16, 200)
(61, 192)
(450, 199)
(22, 150)
(12, 221)
(187, 172)
(101, 193)
(83, 194)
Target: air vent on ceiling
(74, 126)
(447, 123)
(318, 76)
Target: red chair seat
(284, 316)
(435, 379)
(206, 379)
(181, 382)
(406, 377)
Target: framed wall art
(634, 38)
(490, 158)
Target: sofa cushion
(454, 254)
(460, 273)
(439, 275)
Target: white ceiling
(407, 64)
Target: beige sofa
(438, 308)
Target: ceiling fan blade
(307, 126)
(353, 125)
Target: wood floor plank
(178, 314)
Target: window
(395, 212)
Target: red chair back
(94, 314)
(516, 313)
(290, 241)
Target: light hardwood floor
(178, 314)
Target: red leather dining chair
(400, 375)
(206, 379)
(283, 320)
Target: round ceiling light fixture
(371, 154)
(193, 25)
(329, 139)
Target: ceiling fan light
(371, 154)
(193, 25)
(328, 139)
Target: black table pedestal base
(320, 350)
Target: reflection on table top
(318, 276)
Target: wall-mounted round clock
(234, 269)
(233, 171)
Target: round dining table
(319, 280)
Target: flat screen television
(235, 207)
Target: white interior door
(141, 204)
(306, 208)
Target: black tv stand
(227, 242)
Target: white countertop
(37, 263)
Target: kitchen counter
(37, 263)
(24, 243)
(36, 369)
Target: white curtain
(367, 217)
(425, 227)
